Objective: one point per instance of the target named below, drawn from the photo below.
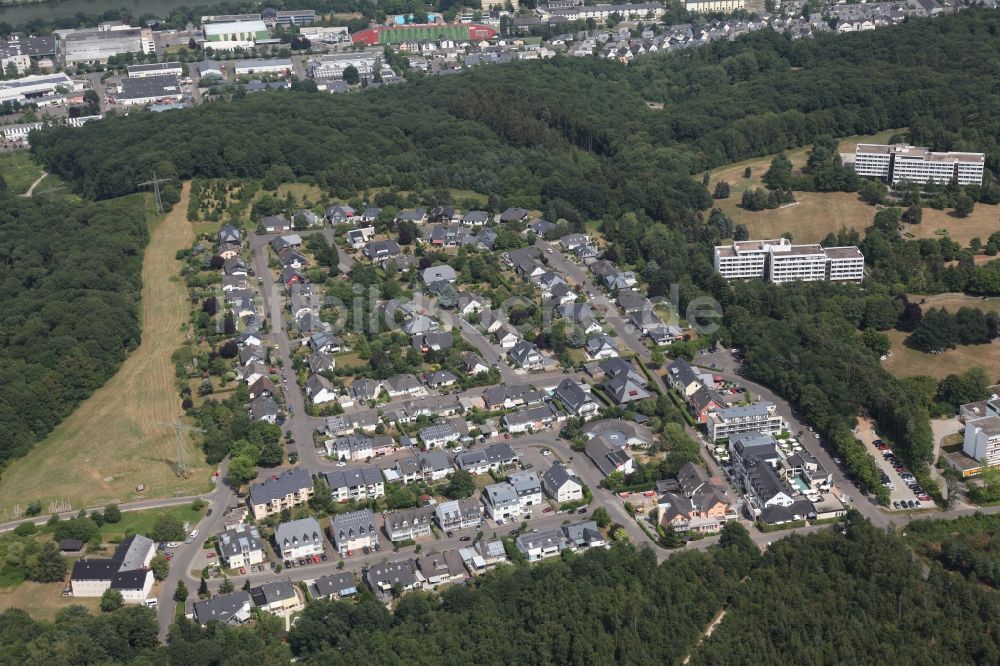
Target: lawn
(141, 522)
(115, 439)
(43, 599)
(19, 171)
(906, 362)
(820, 213)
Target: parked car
(450, 534)
(243, 570)
(547, 509)
(210, 555)
(466, 538)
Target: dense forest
(574, 134)
(848, 595)
(68, 307)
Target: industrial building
(136, 92)
(155, 69)
(34, 87)
(96, 46)
(235, 34)
(416, 33)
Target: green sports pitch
(420, 33)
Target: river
(20, 14)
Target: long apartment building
(902, 162)
(780, 261)
(762, 417)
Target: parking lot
(904, 491)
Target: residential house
(540, 545)
(229, 234)
(620, 433)
(440, 379)
(371, 215)
(434, 465)
(264, 408)
(235, 267)
(683, 378)
(407, 524)
(540, 227)
(528, 488)
(286, 490)
(630, 300)
(576, 398)
(382, 250)
(532, 419)
(527, 356)
(485, 555)
(561, 294)
(241, 546)
(360, 237)
(492, 458)
(276, 224)
(607, 457)
(365, 389)
(475, 218)
(600, 347)
(702, 403)
(356, 483)
(415, 215)
(341, 213)
(561, 484)
(382, 578)
(334, 586)
(428, 342)
(263, 387)
(353, 530)
(127, 571)
(229, 609)
(699, 507)
(473, 364)
(623, 383)
(440, 434)
(281, 243)
(513, 215)
(406, 470)
(278, 597)
(570, 242)
(582, 315)
(469, 303)
(506, 396)
(441, 568)
(321, 362)
(324, 342)
(501, 501)
(620, 280)
(299, 538)
(438, 273)
(350, 447)
(507, 337)
(320, 389)
(404, 385)
(459, 514)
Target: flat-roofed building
(762, 417)
(779, 261)
(155, 69)
(904, 163)
(96, 46)
(226, 36)
(982, 440)
(32, 87)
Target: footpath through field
(112, 441)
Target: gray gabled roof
(221, 607)
(298, 533)
(280, 485)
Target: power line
(181, 463)
(155, 182)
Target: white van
(149, 603)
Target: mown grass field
(19, 171)
(44, 599)
(141, 522)
(820, 213)
(113, 441)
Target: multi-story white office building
(982, 440)
(901, 162)
(762, 417)
(796, 263)
(780, 261)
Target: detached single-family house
(473, 364)
(276, 224)
(320, 389)
(334, 586)
(278, 597)
(561, 484)
(513, 215)
(264, 408)
(231, 609)
(475, 218)
(383, 577)
(600, 347)
(495, 458)
(501, 501)
(526, 355)
(576, 398)
(608, 458)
